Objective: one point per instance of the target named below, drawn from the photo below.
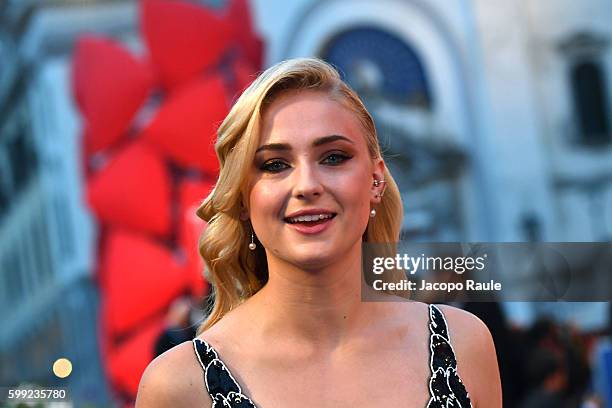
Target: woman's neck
(321, 307)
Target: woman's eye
(335, 158)
(274, 166)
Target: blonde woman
(302, 184)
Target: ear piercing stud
(376, 184)
(252, 245)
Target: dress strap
(445, 386)
(221, 385)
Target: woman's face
(312, 186)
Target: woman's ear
(244, 212)
(378, 181)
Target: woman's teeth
(309, 218)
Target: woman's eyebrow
(273, 146)
(329, 139)
(318, 142)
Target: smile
(309, 218)
(311, 223)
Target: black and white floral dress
(445, 386)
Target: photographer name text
(423, 285)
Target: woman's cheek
(266, 200)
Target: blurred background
(495, 117)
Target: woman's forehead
(304, 115)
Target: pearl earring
(373, 213)
(252, 245)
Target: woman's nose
(307, 182)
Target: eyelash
(268, 166)
(343, 158)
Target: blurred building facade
(48, 300)
(509, 102)
(495, 117)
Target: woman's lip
(315, 211)
(311, 229)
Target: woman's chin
(317, 257)
(312, 264)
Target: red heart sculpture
(133, 191)
(184, 39)
(142, 278)
(192, 193)
(243, 74)
(126, 364)
(110, 85)
(249, 43)
(184, 128)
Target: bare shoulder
(173, 379)
(464, 326)
(476, 356)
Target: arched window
(587, 84)
(589, 94)
(374, 60)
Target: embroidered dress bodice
(446, 389)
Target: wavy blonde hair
(234, 271)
